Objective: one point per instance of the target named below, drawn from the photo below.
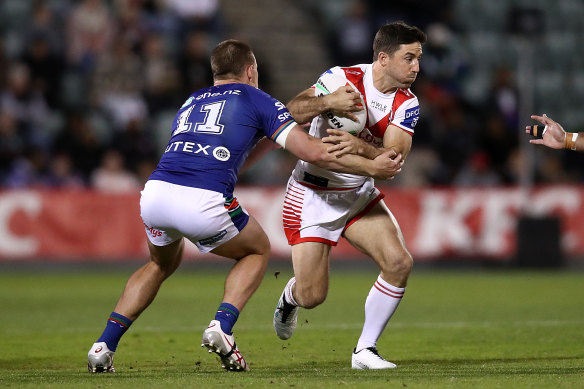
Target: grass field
(454, 329)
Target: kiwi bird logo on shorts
(221, 153)
(213, 239)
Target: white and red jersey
(400, 108)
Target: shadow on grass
(441, 367)
(47, 368)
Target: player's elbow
(303, 119)
(299, 117)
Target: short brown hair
(390, 36)
(230, 58)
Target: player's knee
(310, 297)
(403, 263)
(264, 248)
(163, 269)
(313, 301)
(399, 263)
(260, 246)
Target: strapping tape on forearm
(570, 140)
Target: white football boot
(285, 319)
(220, 343)
(100, 359)
(369, 359)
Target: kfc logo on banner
(482, 223)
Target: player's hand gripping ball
(327, 84)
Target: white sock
(380, 305)
(288, 292)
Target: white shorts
(313, 214)
(204, 217)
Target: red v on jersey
(377, 129)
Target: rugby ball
(327, 84)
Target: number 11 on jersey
(210, 123)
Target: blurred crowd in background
(89, 88)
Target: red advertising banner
(436, 223)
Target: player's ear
(249, 72)
(382, 58)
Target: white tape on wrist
(574, 138)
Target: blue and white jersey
(213, 133)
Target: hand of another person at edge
(345, 100)
(388, 165)
(342, 142)
(554, 136)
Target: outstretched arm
(553, 135)
(306, 106)
(310, 149)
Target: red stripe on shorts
(294, 238)
(365, 210)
